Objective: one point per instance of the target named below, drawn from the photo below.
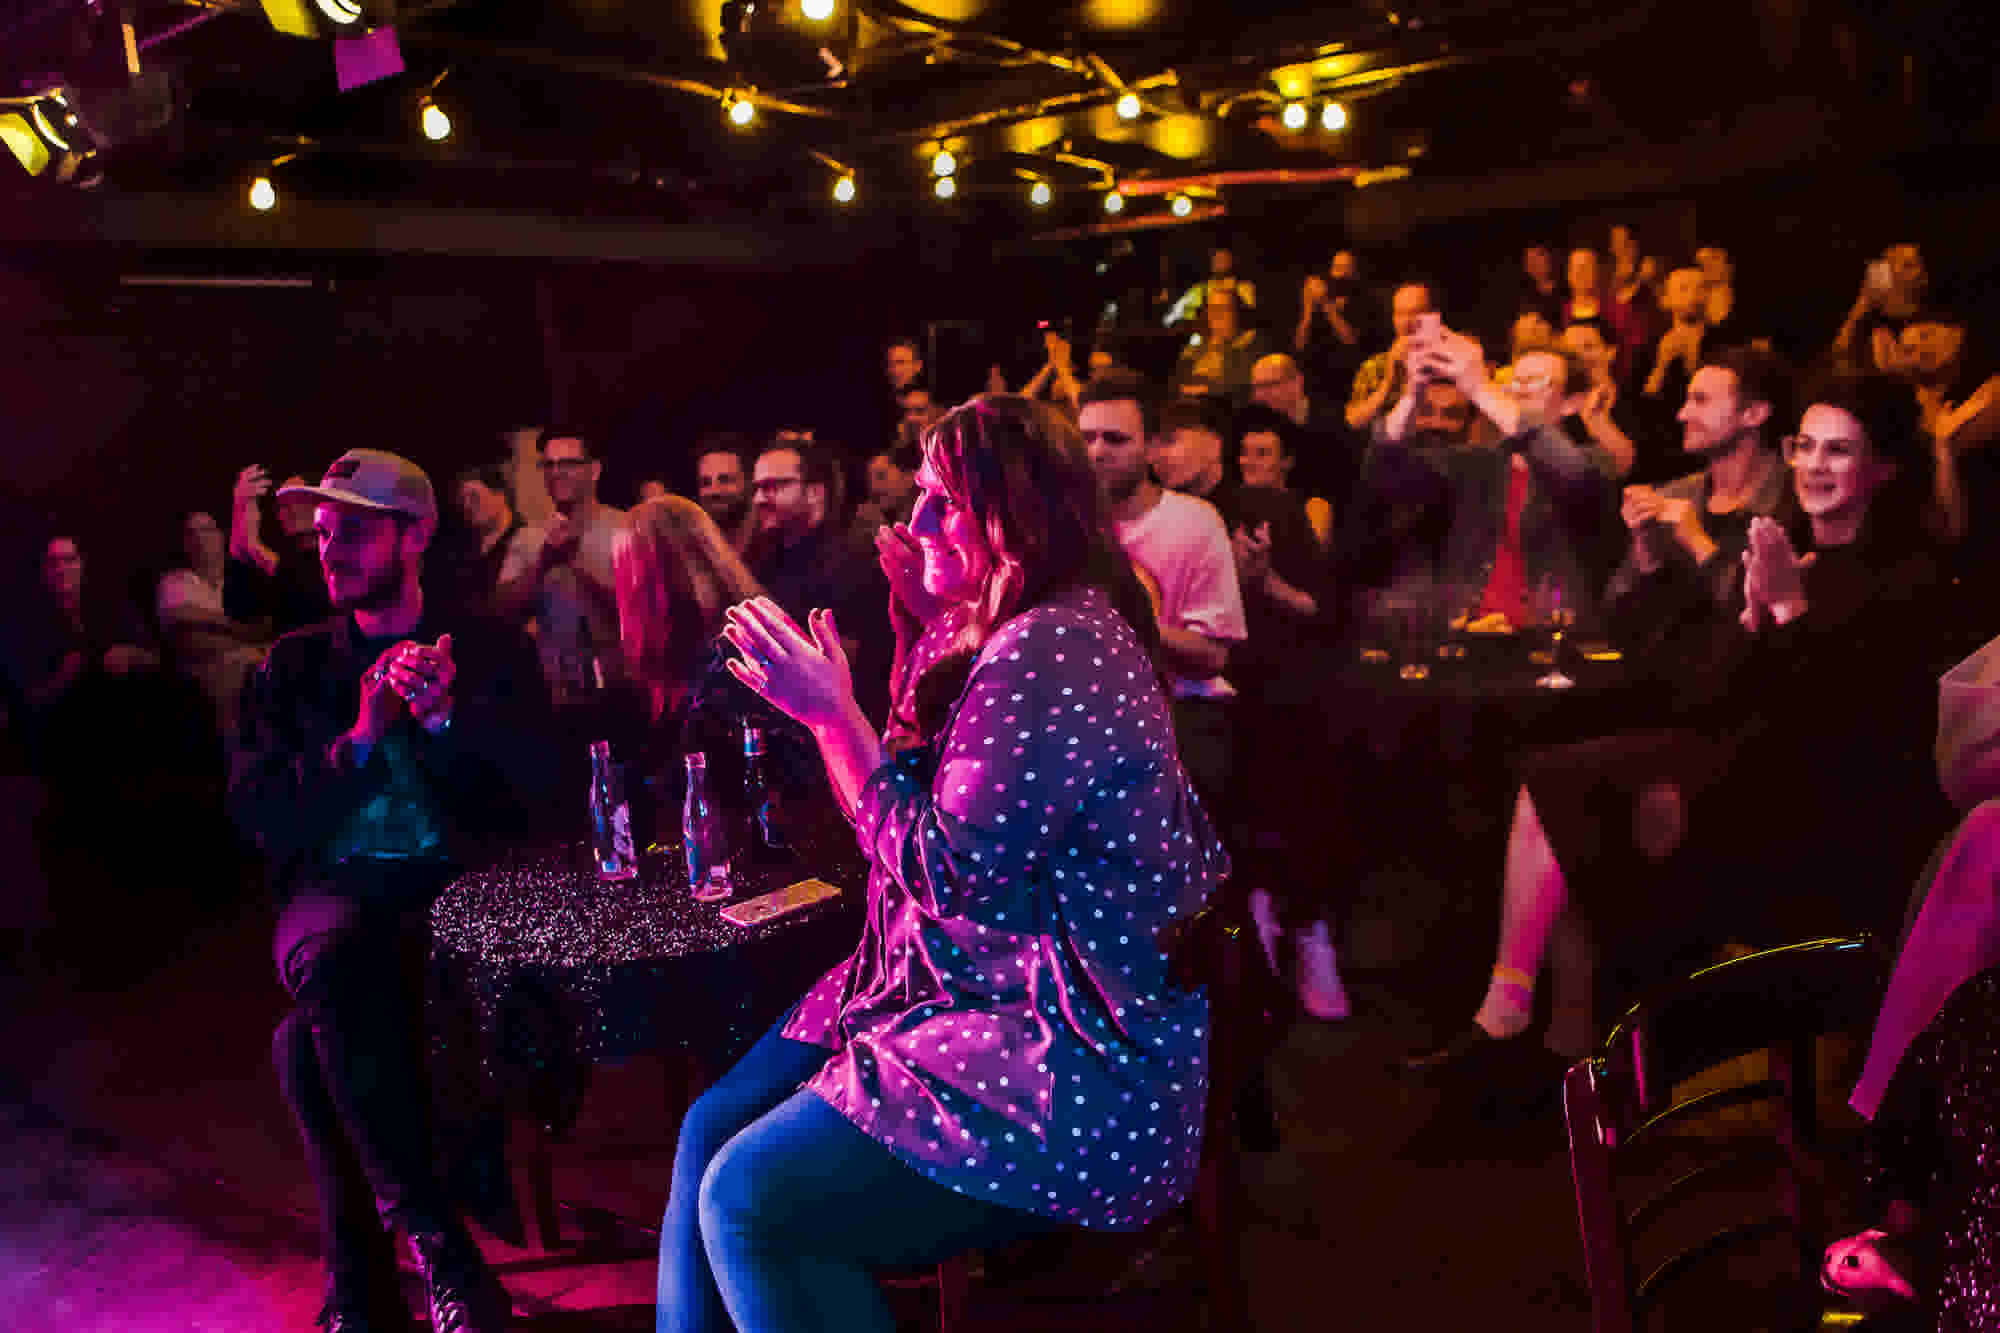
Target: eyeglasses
(563, 464)
(1108, 436)
(1835, 453)
(772, 485)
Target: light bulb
(263, 195)
(1333, 116)
(1182, 205)
(843, 190)
(437, 125)
(944, 164)
(1114, 202)
(1040, 194)
(946, 187)
(741, 111)
(1128, 107)
(818, 11)
(1294, 116)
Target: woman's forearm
(852, 752)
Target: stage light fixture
(843, 190)
(740, 110)
(327, 18)
(1041, 194)
(436, 124)
(1128, 107)
(1293, 117)
(1114, 202)
(818, 11)
(944, 164)
(48, 132)
(946, 187)
(1182, 205)
(1333, 117)
(263, 195)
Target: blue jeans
(782, 1210)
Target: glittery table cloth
(540, 969)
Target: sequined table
(540, 971)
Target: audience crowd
(1786, 558)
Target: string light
(944, 164)
(1293, 117)
(1128, 107)
(946, 187)
(1333, 117)
(1040, 194)
(263, 195)
(817, 11)
(843, 190)
(1182, 205)
(1114, 202)
(436, 124)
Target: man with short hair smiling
(559, 571)
(1326, 462)
(375, 748)
(806, 558)
(1688, 536)
(722, 484)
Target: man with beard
(722, 484)
(375, 748)
(805, 555)
(559, 572)
(1688, 536)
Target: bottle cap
(695, 759)
(600, 750)
(753, 739)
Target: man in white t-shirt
(1182, 548)
(559, 571)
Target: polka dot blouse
(1006, 1025)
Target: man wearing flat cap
(376, 749)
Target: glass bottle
(705, 835)
(760, 795)
(610, 818)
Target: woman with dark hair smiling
(1793, 765)
(1003, 1052)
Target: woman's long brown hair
(676, 574)
(1019, 466)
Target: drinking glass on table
(1414, 620)
(1555, 614)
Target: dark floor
(154, 1180)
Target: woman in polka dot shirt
(1003, 1052)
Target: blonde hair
(675, 574)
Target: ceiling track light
(1181, 205)
(263, 194)
(946, 187)
(1114, 202)
(1129, 106)
(844, 189)
(434, 120)
(327, 18)
(1333, 117)
(944, 164)
(47, 131)
(1040, 193)
(1294, 116)
(739, 108)
(817, 11)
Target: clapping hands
(805, 676)
(1773, 575)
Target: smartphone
(765, 907)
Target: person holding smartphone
(1894, 288)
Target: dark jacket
(1570, 526)
(485, 776)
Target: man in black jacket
(376, 748)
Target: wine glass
(1557, 615)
